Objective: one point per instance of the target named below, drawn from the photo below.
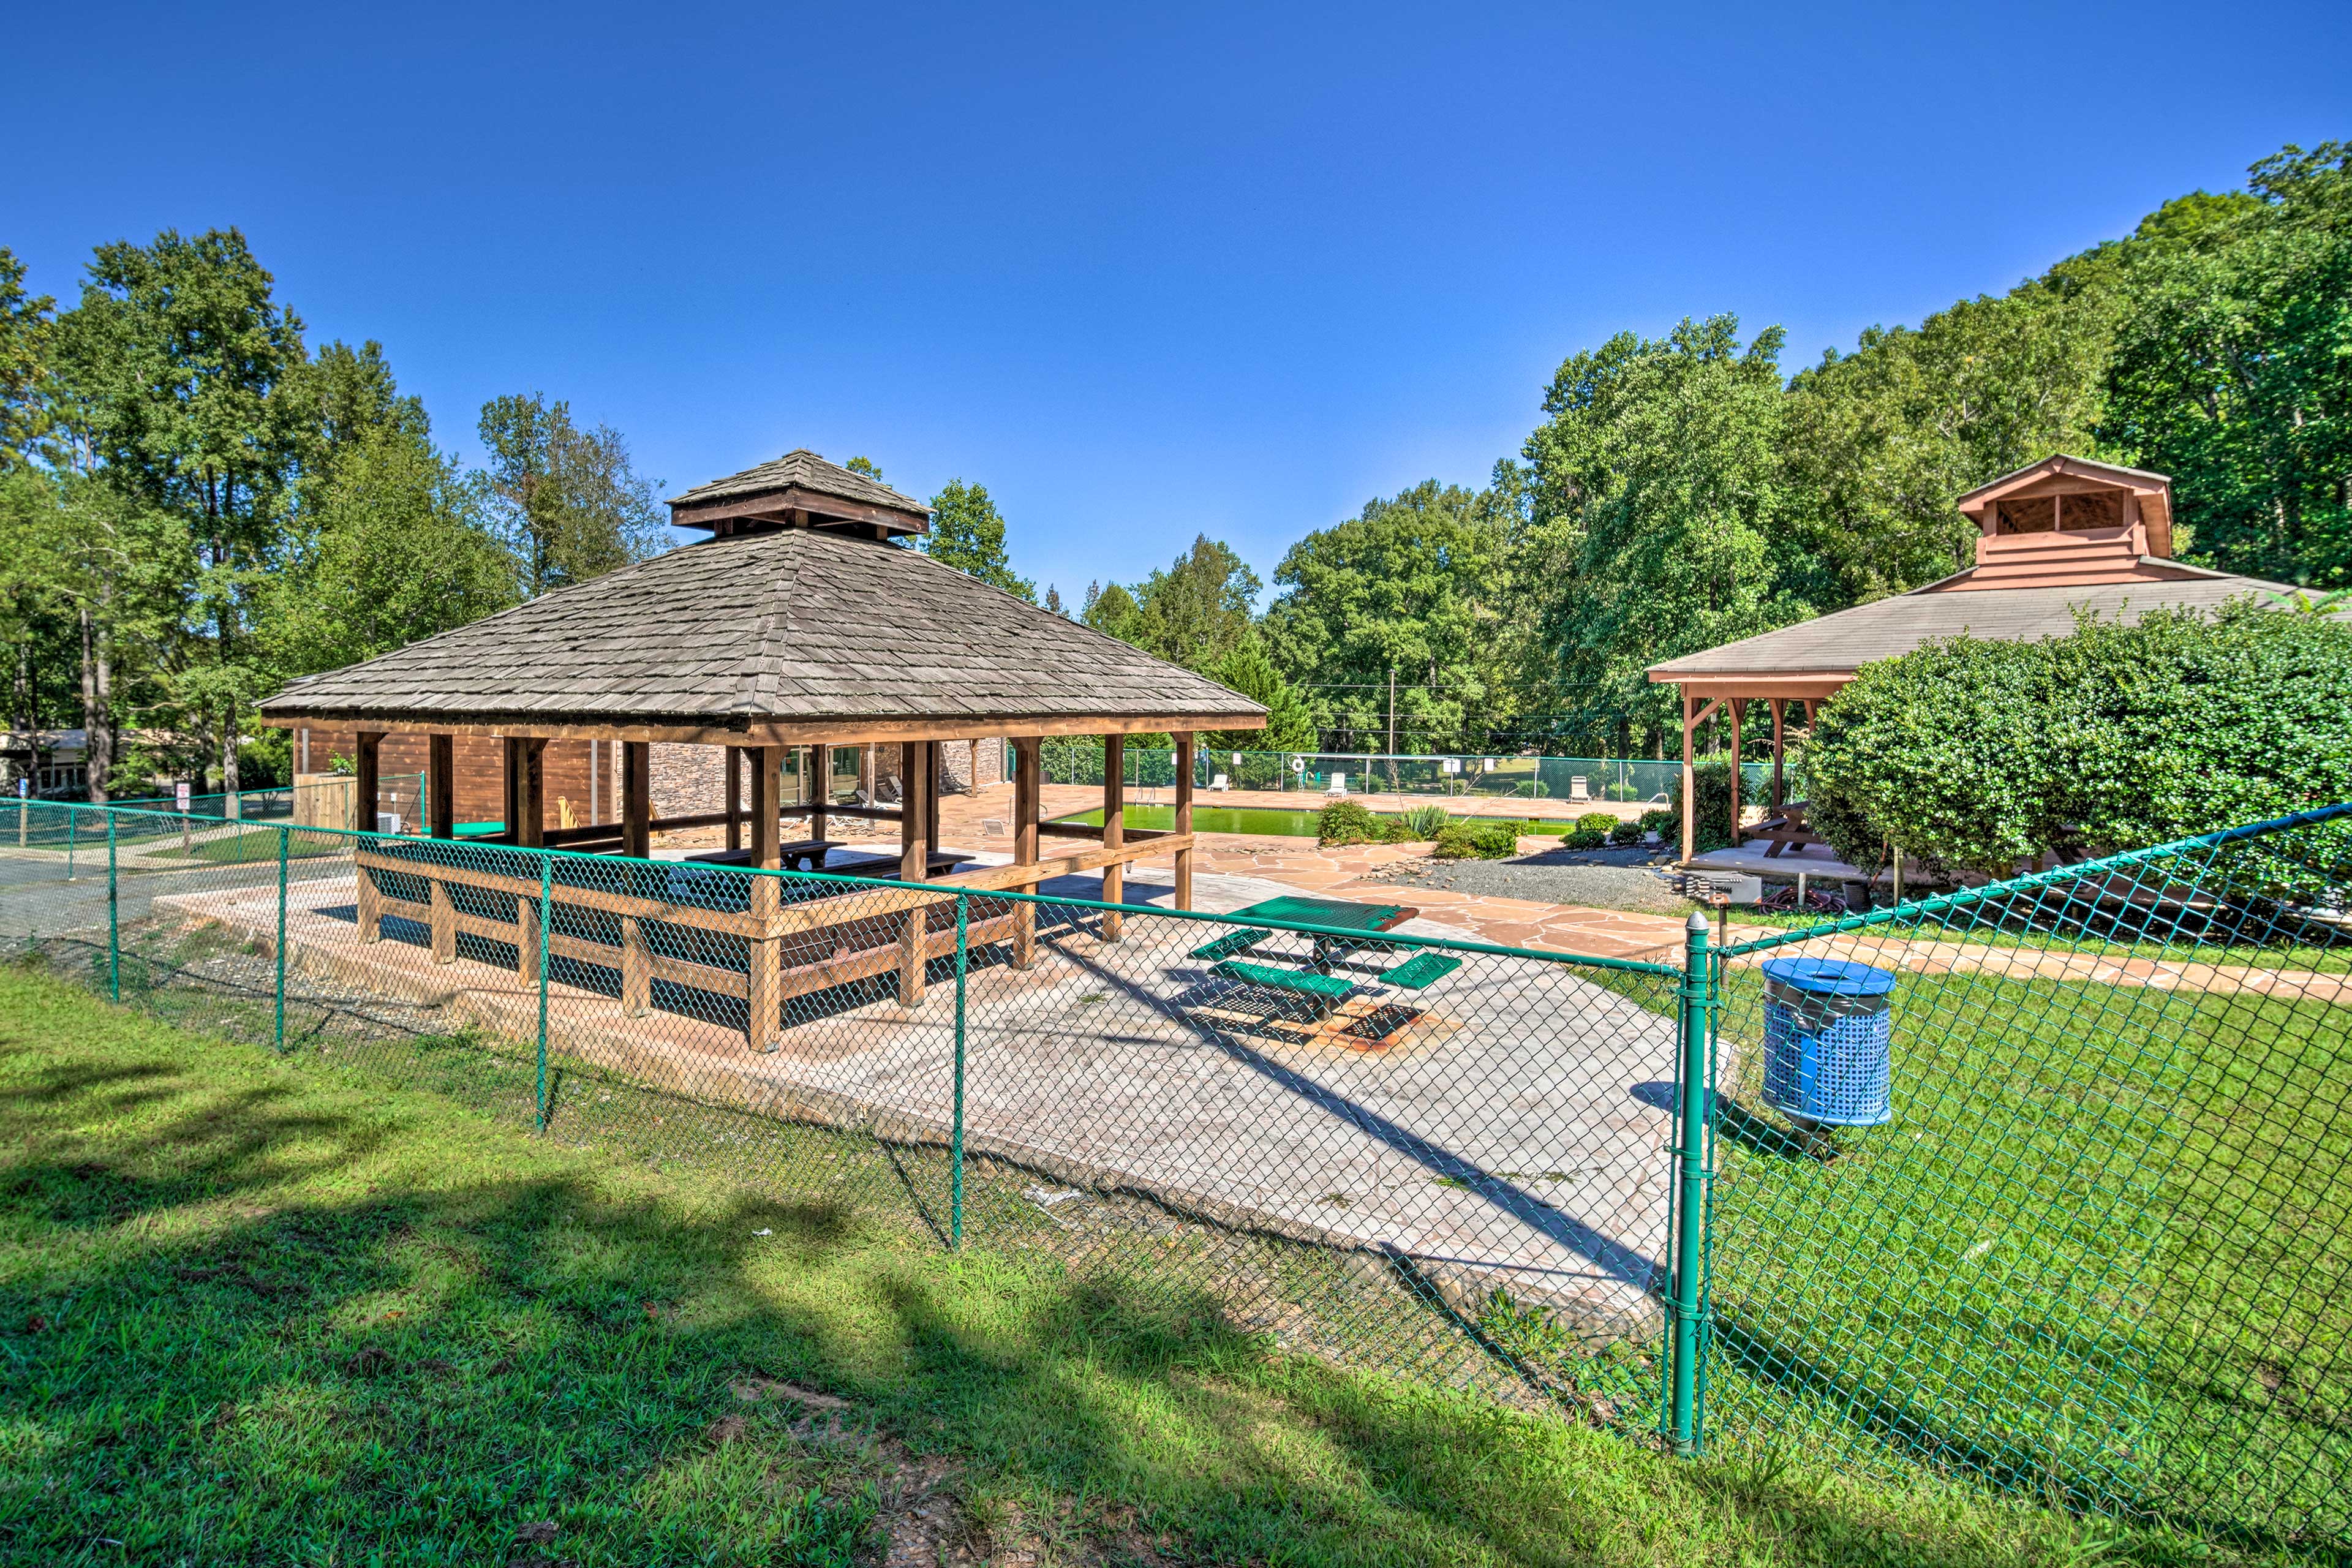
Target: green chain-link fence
(1435, 1157)
(2102, 1250)
(2097, 1251)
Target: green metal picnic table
(1313, 979)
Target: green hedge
(1978, 755)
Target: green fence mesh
(2100, 1250)
(2096, 1251)
(1437, 1158)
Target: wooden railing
(791, 949)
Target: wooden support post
(763, 986)
(636, 798)
(637, 970)
(1689, 814)
(527, 953)
(1779, 735)
(1184, 824)
(441, 786)
(366, 768)
(914, 833)
(1737, 703)
(1114, 877)
(932, 795)
(1027, 787)
(444, 922)
(734, 798)
(820, 786)
(912, 930)
(526, 767)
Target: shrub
(1660, 821)
(1424, 822)
(1346, 822)
(1977, 754)
(1477, 840)
(1626, 834)
(1586, 839)
(1625, 789)
(1597, 821)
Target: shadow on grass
(246, 1321)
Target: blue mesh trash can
(1828, 1040)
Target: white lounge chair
(1219, 781)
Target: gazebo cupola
(2069, 522)
(800, 490)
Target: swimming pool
(1246, 819)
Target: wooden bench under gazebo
(806, 622)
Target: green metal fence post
(283, 834)
(955, 1143)
(546, 889)
(114, 921)
(73, 827)
(1690, 1193)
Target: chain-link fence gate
(2096, 1250)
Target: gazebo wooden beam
(636, 798)
(1114, 831)
(1184, 824)
(366, 763)
(914, 833)
(441, 786)
(842, 732)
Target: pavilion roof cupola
(2068, 522)
(800, 490)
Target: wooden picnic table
(938, 863)
(806, 853)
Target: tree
(1420, 585)
(2233, 375)
(1112, 609)
(1054, 601)
(1248, 668)
(564, 500)
(395, 546)
(863, 466)
(26, 325)
(1656, 490)
(174, 370)
(1194, 610)
(968, 533)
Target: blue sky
(1140, 271)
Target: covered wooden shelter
(804, 621)
(2054, 539)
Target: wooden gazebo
(2054, 539)
(805, 621)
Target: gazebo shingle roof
(803, 469)
(1884, 628)
(791, 627)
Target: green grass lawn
(2103, 1251)
(262, 1310)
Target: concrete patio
(1513, 1138)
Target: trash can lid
(1830, 976)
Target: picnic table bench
(1312, 979)
(1786, 831)
(807, 854)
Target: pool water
(1239, 820)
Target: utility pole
(1392, 710)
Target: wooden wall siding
(687, 780)
(480, 775)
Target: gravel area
(1596, 878)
